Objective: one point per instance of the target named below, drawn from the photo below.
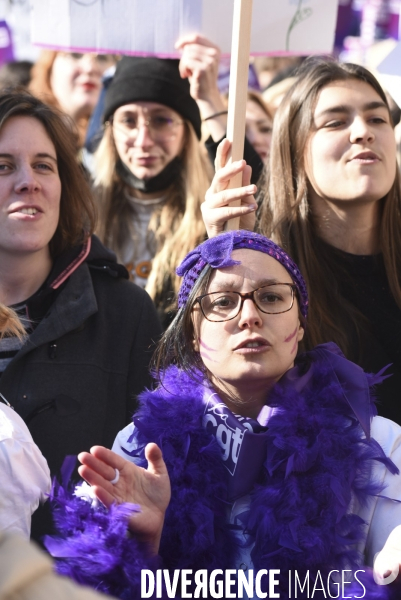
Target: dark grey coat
(76, 380)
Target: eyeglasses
(272, 299)
(160, 127)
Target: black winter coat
(76, 379)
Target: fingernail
(251, 189)
(253, 207)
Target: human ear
(301, 332)
(195, 344)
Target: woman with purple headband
(248, 455)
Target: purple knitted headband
(217, 251)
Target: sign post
(238, 90)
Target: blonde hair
(177, 227)
(10, 325)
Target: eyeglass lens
(160, 126)
(270, 299)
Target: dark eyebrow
(346, 108)
(38, 155)
(46, 155)
(229, 285)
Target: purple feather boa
(93, 546)
(315, 443)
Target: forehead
(256, 268)
(144, 107)
(255, 111)
(352, 92)
(24, 129)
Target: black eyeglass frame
(245, 296)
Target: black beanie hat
(151, 79)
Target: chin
(253, 375)
(27, 248)
(87, 103)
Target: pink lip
(242, 349)
(146, 160)
(365, 157)
(88, 85)
(18, 216)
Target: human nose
(26, 181)
(88, 63)
(143, 137)
(360, 131)
(251, 134)
(249, 314)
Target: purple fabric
(243, 442)
(217, 251)
(6, 43)
(351, 378)
(93, 543)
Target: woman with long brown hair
(334, 203)
(74, 376)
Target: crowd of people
(233, 396)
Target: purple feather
(94, 547)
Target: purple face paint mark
(291, 336)
(204, 354)
(295, 346)
(207, 357)
(205, 346)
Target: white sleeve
(24, 474)
(383, 514)
(126, 444)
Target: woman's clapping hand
(150, 488)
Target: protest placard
(390, 73)
(153, 26)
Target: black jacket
(76, 379)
